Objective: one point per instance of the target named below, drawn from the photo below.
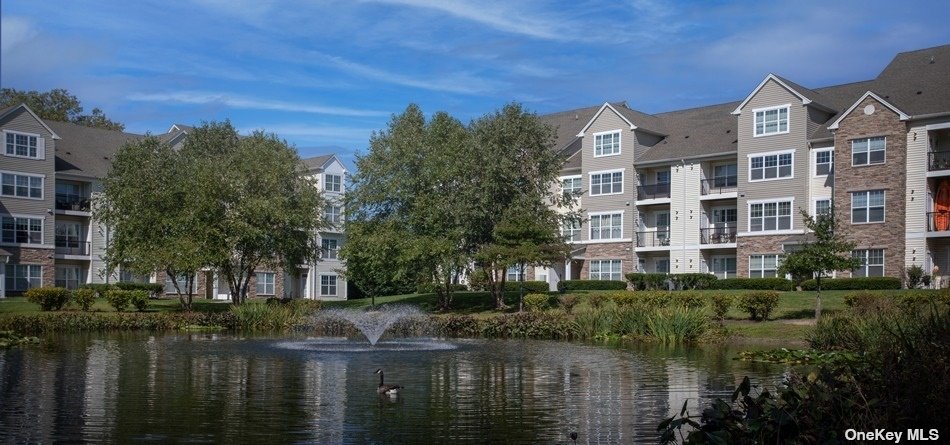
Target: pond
(212, 388)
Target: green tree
(57, 105)
(147, 204)
(820, 253)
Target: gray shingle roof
(695, 132)
(568, 123)
(85, 151)
(316, 161)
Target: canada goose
(383, 388)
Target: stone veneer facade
(889, 176)
(609, 251)
(32, 256)
(762, 245)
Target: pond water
(213, 388)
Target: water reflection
(223, 388)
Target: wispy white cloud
(234, 101)
(451, 82)
(13, 32)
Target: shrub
(528, 325)
(151, 288)
(677, 324)
(573, 285)
(692, 281)
(139, 299)
(597, 300)
(758, 305)
(647, 281)
(429, 288)
(720, 304)
(84, 297)
(780, 284)
(594, 321)
(625, 298)
(536, 302)
(100, 288)
(688, 299)
(264, 317)
(49, 298)
(119, 299)
(858, 283)
(567, 302)
(534, 287)
(42, 323)
(914, 275)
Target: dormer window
(334, 183)
(771, 120)
(607, 143)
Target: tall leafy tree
(820, 253)
(58, 105)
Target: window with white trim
(265, 283)
(867, 206)
(334, 183)
(571, 230)
(605, 269)
(606, 144)
(69, 277)
(764, 266)
(767, 216)
(823, 207)
(770, 166)
(20, 277)
(606, 226)
(21, 186)
(513, 273)
(771, 121)
(22, 145)
(724, 266)
(333, 214)
(609, 183)
(571, 185)
(824, 162)
(22, 230)
(868, 151)
(329, 248)
(328, 285)
(872, 263)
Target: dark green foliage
(536, 302)
(858, 283)
(49, 298)
(758, 305)
(647, 281)
(529, 286)
(84, 297)
(598, 300)
(567, 302)
(658, 299)
(429, 288)
(58, 105)
(265, 317)
(914, 276)
(720, 304)
(152, 288)
(780, 284)
(692, 281)
(100, 288)
(90, 321)
(139, 299)
(574, 285)
(119, 299)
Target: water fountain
(373, 323)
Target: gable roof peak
(903, 116)
(798, 90)
(599, 112)
(8, 110)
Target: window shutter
(41, 148)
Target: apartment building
(51, 173)
(718, 189)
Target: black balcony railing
(717, 235)
(67, 246)
(938, 160)
(653, 191)
(72, 202)
(721, 184)
(938, 221)
(658, 238)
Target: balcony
(68, 246)
(720, 185)
(938, 160)
(717, 235)
(75, 203)
(938, 223)
(653, 191)
(657, 238)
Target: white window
(69, 277)
(725, 175)
(20, 277)
(571, 231)
(823, 207)
(333, 214)
(766, 216)
(606, 226)
(329, 248)
(771, 166)
(725, 217)
(663, 265)
(764, 266)
(513, 273)
(771, 121)
(867, 206)
(872, 263)
(605, 270)
(571, 185)
(21, 230)
(328, 285)
(824, 162)
(606, 144)
(21, 186)
(23, 145)
(868, 151)
(724, 266)
(265, 283)
(606, 183)
(334, 183)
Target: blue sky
(325, 74)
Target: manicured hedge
(152, 288)
(692, 281)
(100, 288)
(647, 281)
(572, 285)
(753, 284)
(529, 286)
(859, 283)
(429, 288)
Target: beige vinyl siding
(685, 217)
(605, 122)
(918, 198)
(821, 186)
(21, 121)
(771, 95)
